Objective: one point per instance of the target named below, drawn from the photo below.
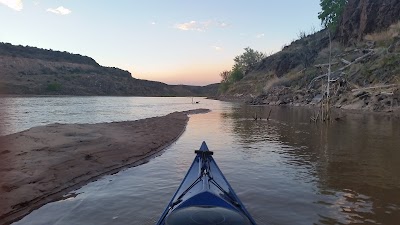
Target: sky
(172, 41)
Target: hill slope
(365, 71)
(35, 71)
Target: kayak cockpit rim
(205, 189)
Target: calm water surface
(285, 170)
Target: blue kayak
(205, 197)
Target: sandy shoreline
(40, 165)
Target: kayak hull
(205, 197)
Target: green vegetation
(247, 61)
(331, 13)
(236, 74)
(230, 77)
(53, 86)
(244, 63)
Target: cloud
(199, 25)
(222, 24)
(60, 10)
(14, 4)
(217, 48)
(260, 35)
(153, 23)
(192, 25)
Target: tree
(236, 74)
(244, 63)
(225, 82)
(247, 61)
(230, 77)
(331, 13)
(225, 76)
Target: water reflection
(352, 164)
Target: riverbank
(42, 164)
(374, 102)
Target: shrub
(236, 74)
(54, 86)
(223, 87)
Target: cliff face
(35, 71)
(362, 17)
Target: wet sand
(40, 165)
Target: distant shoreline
(42, 164)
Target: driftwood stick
(325, 64)
(344, 67)
(358, 59)
(345, 61)
(255, 116)
(269, 114)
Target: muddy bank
(42, 164)
(363, 101)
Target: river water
(285, 170)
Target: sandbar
(42, 164)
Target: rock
(341, 102)
(361, 17)
(362, 95)
(359, 93)
(395, 46)
(370, 44)
(381, 97)
(355, 105)
(396, 94)
(317, 99)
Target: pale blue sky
(176, 42)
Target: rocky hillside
(365, 64)
(35, 71)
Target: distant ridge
(29, 70)
(7, 49)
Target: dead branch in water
(269, 114)
(255, 116)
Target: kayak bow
(205, 197)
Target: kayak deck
(205, 197)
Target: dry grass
(386, 35)
(273, 81)
(284, 80)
